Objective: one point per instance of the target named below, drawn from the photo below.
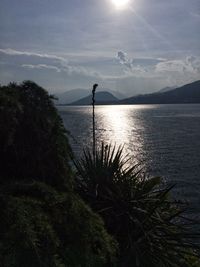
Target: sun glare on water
(120, 4)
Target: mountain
(113, 92)
(166, 89)
(189, 93)
(100, 98)
(76, 94)
(71, 96)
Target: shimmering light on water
(121, 125)
(116, 125)
(166, 138)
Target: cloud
(195, 15)
(42, 61)
(69, 70)
(190, 64)
(41, 66)
(142, 74)
(180, 71)
(174, 72)
(131, 68)
(12, 52)
(122, 57)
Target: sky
(68, 44)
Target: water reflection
(113, 124)
(119, 125)
(164, 137)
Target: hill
(71, 96)
(100, 98)
(76, 94)
(189, 93)
(166, 89)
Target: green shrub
(33, 140)
(138, 211)
(43, 222)
(42, 227)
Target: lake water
(164, 138)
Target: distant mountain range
(100, 98)
(74, 95)
(189, 93)
(71, 96)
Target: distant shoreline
(119, 104)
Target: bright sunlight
(120, 4)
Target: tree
(32, 137)
(42, 221)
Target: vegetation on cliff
(43, 221)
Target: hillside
(100, 98)
(77, 94)
(166, 89)
(71, 96)
(189, 93)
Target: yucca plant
(137, 210)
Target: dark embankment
(43, 222)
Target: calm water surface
(165, 138)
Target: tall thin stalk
(93, 118)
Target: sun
(120, 4)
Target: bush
(43, 222)
(32, 138)
(148, 225)
(41, 227)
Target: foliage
(43, 222)
(32, 137)
(193, 260)
(150, 228)
(41, 227)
